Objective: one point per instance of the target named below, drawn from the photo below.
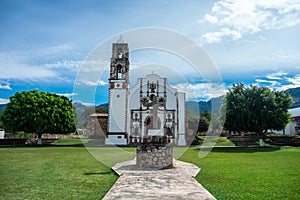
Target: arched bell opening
(119, 71)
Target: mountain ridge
(197, 106)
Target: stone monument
(156, 150)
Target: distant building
(2, 133)
(292, 128)
(96, 120)
(150, 109)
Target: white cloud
(20, 71)
(88, 83)
(29, 65)
(273, 83)
(57, 49)
(4, 101)
(85, 103)
(5, 87)
(246, 17)
(215, 37)
(93, 83)
(67, 94)
(276, 76)
(294, 80)
(73, 65)
(289, 86)
(280, 81)
(201, 90)
(102, 83)
(209, 18)
(94, 65)
(14, 66)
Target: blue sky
(43, 44)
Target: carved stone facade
(150, 111)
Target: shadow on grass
(98, 173)
(240, 149)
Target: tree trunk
(39, 142)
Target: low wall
(283, 140)
(13, 142)
(154, 155)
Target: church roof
(99, 115)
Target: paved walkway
(141, 183)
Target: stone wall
(154, 155)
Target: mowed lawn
(72, 173)
(249, 173)
(52, 173)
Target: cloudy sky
(44, 44)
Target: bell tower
(118, 93)
(119, 67)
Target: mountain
(104, 105)
(295, 93)
(83, 112)
(201, 106)
(191, 105)
(196, 107)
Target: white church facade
(149, 111)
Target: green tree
(38, 112)
(256, 109)
(205, 115)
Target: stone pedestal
(154, 155)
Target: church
(151, 110)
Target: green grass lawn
(72, 173)
(52, 173)
(79, 141)
(249, 173)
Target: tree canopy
(38, 112)
(256, 109)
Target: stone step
(243, 141)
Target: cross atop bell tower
(119, 67)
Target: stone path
(140, 183)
